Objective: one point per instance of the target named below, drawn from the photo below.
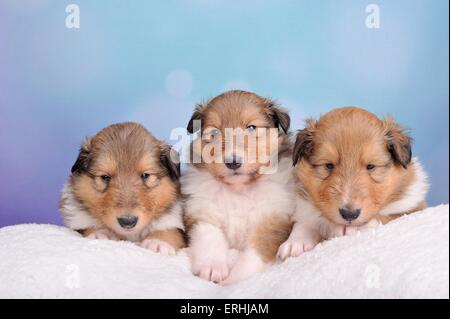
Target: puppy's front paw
(233, 278)
(215, 272)
(102, 234)
(158, 246)
(228, 281)
(294, 248)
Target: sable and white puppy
(353, 171)
(124, 186)
(234, 202)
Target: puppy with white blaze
(239, 193)
(124, 186)
(353, 171)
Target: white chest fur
(237, 210)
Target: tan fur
(124, 152)
(189, 222)
(88, 231)
(246, 208)
(352, 138)
(238, 109)
(269, 235)
(389, 218)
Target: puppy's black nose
(234, 164)
(127, 221)
(349, 214)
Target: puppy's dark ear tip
(189, 128)
(171, 161)
(74, 169)
(196, 116)
(81, 162)
(408, 160)
(285, 129)
(303, 146)
(399, 143)
(280, 116)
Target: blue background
(152, 61)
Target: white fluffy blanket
(408, 258)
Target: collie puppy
(239, 191)
(353, 171)
(124, 186)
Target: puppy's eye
(215, 132)
(329, 166)
(149, 180)
(251, 128)
(106, 178)
(210, 134)
(370, 167)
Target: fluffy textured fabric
(408, 258)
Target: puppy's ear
(81, 164)
(398, 142)
(304, 142)
(279, 116)
(171, 161)
(196, 116)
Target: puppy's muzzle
(349, 214)
(127, 221)
(233, 163)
